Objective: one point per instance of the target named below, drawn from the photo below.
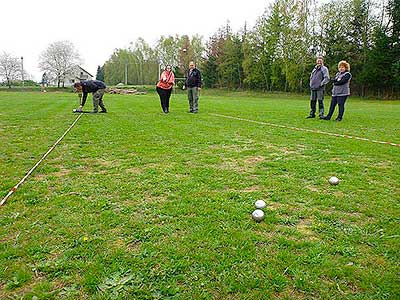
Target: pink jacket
(167, 80)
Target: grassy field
(135, 204)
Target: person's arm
(326, 78)
(84, 98)
(163, 77)
(312, 73)
(342, 80)
(171, 79)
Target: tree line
(276, 54)
(279, 52)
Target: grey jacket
(319, 77)
(341, 84)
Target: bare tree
(10, 68)
(58, 60)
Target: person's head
(168, 68)
(320, 61)
(78, 87)
(343, 66)
(192, 65)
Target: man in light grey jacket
(318, 79)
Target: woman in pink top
(164, 87)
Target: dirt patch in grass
(291, 293)
(288, 151)
(384, 164)
(267, 234)
(40, 177)
(238, 147)
(135, 171)
(133, 245)
(304, 227)
(241, 165)
(232, 164)
(118, 244)
(349, 217)
(339, 194)
(253, 188)
(105, 163)
(275, 205)
(313, 189)
(149, 198)
(346, 288)
(253, 160)
(62, 173)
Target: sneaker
(310, 117)
(103, 111)
(338, 119)
(321, 117)
(326, 118)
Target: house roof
(85, 71)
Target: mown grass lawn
(135, 204)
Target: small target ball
(334, 180)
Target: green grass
(135, 204)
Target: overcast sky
(96, 28)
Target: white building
(77, 74)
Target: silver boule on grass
(334, 180)
(259, 204)
(258, 215)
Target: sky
(97, 28)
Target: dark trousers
(317, 95)
(340, 101)
(164, 98)
(193, 97)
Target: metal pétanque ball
(260, 204)
(258, 215)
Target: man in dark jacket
(193, 85)
(97, 88)
(318, 79)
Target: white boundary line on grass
(38, 163)
(308, 130)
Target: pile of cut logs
(125, 91)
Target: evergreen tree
(100, 73)
(230, 68)
(382, 70)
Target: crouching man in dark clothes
(97, 88)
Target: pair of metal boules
(258, 214)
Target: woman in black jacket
(340, 90)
